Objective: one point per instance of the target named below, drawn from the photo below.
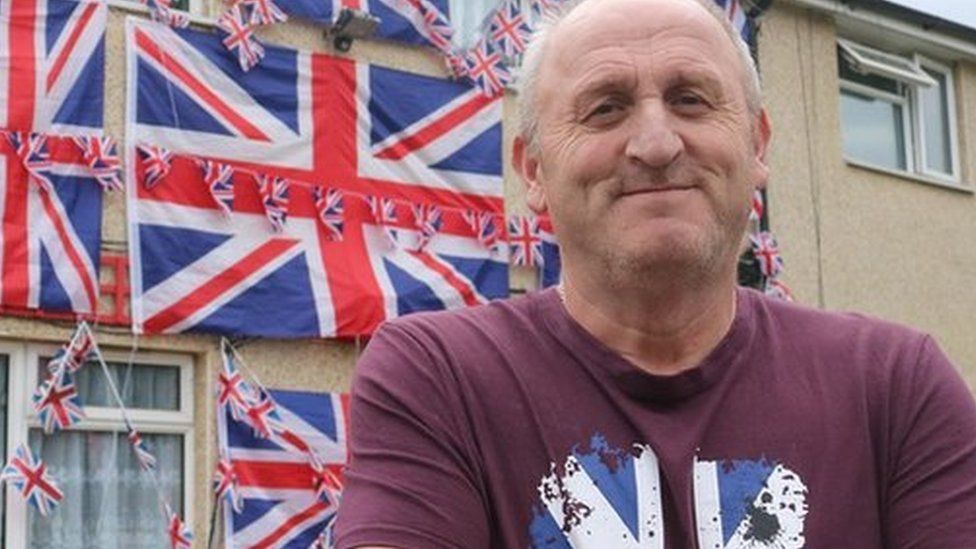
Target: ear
(526, 164)
(761, 135)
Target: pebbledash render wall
(856, 239)
(309, 365)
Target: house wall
(856, 239)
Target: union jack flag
(274, 195)
(509, 29)
(234, 394)
(227, 485)
(525, 240)
(102, 158)
(156, 164)
(57, 403)
(486, 68)
(428, 220)
(180, 536)
(240, 36)
(326, 539)
(735, 13)
(778, 290)
(368, 131)
(437, 29)
(31, 150)
(384, 214)
(145, 458)
(767, 254)
(330, 205)
(262, 12)
(51, 236)
(483, 225)
(277, 476)
(52, 58)
(161, 11)
(551, 271)
(29, 476)
(262, 414)
(456, 64)
(75, 353)
(757, 206)
(543, 7)
(218, 178)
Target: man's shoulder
(810, 330)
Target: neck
(662, 331)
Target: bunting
(28, 476)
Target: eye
(605, 112)
(689, 101)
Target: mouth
(658, 190)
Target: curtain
(108, 501)
(149, 387)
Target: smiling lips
(655, 190)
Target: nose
(653, 141)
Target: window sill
(912, 176)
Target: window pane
(108, 501)
(872, 80)
(150, 386)
(934, 103)
(873, 130)
(467, 17)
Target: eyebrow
(695, 76)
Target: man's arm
(931, 496)
(412, 480)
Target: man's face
(647, 153)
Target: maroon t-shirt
(509, 425)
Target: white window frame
(196, 8)
(946, 72)
(916, 165)
(22, 378)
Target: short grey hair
(528, 127)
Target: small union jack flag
(240, 36)
(438, 29)
(509, 29)
(75, 353)
(326, 538)
(766, 250)
(162, 11)
(757, 206)
(330, 204)
(29, 476)
(483, 226)
(180, 536)
(219, 179)
(428, 220)
(274, 196)
(146, 460)
(525, 240)
(328, 486)
(486, 68)
(102, 158)
(456, 64)
(232, 390)
(156, 164)
(56, 402)
(384, 213)
(227, 486)
(543, 7)
(262, 12)
(33, 153)
(262, 415)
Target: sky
(958, 11)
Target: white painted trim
(196, 14)
(15, 515)
(950, 99)
(960, 47)
(915, 177)
(888, 69)
(908, 139)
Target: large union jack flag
(310, 118)
(275, 478)
(52, 65)
(52, 217)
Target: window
(109, 501)
(897, 112)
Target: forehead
(604, 34)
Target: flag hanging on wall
(315, 121)
(281, 506)
(52, 217)
(52, 65)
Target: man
(650, 403)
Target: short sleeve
(412, 476)
(931, 496)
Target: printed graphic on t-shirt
(610, 497)
(748, 504)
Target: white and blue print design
(743, 504)
(601, 497)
